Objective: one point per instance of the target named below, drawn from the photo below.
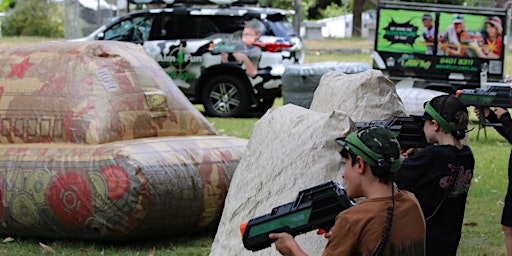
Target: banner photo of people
(442, 42)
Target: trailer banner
(438, 42)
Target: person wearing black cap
(501, 115)
(440, 174)
(388, 221)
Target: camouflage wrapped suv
(191, 42)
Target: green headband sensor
(440, 120)
(354, 144)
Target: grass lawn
(482, 233)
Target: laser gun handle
(482, 115)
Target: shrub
(6, 4)
(35, 18)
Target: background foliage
(6, 4)
(45, 17)
(34, 18)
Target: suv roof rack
(205, 2)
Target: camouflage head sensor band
(440, 120)
(354, 144)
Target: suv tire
(226, 96)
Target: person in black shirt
(440, 174)
(501, 115)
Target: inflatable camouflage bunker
(97, 142)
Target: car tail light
(273, 47)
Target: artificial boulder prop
(365, 96)
(293, 148)
(99, 143)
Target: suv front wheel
(225, 96)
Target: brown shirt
(358, 230)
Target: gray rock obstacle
(301, 80)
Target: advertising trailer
(441, 47)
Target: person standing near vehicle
(440, 174)
(501, 115)
(388, 221)
(250, 56)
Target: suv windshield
(135, 29)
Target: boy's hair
(257, 25)
(450, 113)
(378, 147)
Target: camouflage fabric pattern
(90, 93)
(97, 142)
(374, 144)
(380, 140)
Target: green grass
(482, 233)
(195, 245)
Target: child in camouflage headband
(387, 219)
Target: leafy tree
(6, 4)
(34, 18)
(334, 10)
(316, 11)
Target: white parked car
(181, 37)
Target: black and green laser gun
(408, 130)
(314, 208)
(492, 96)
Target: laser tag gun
(408, 130)
(492, 96)
(229, 46)
(314, 208)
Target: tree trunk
(298, 14)
(356, 20)
(501, 3)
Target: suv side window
(135, 29)
(228, 24)
(183, 27)
(279, 26)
